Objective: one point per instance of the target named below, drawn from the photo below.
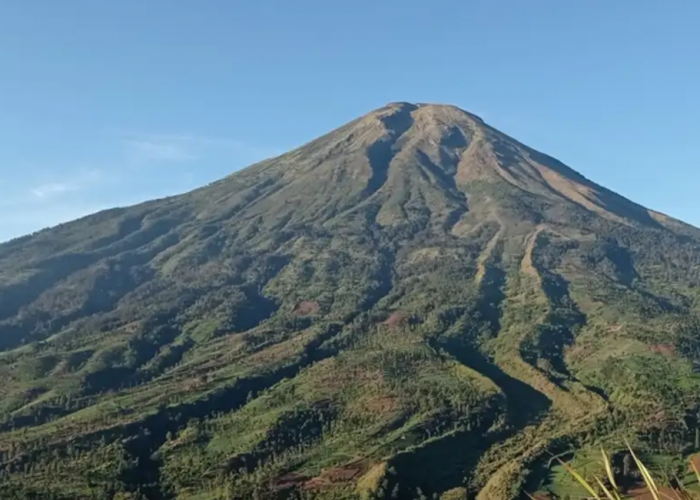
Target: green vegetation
(629, 477)
(413, 306)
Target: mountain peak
(455, 148)
(444, 113)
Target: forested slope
(414, 304)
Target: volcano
(413, 304)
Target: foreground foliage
(635, 480)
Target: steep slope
(414, 301)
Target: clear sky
(107, 103)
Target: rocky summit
(414, 305)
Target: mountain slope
(414, 301)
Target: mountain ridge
(413, 303)
(559, 168)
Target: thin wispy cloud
(41, 190)
(159, 150)
(185, 148)
(46, 196)
(49, 190)
(44, 199)
(75, 181)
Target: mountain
(414, 304)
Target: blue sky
(110, 103)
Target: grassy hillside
(414, 305)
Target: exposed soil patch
(695, 460)
(343, 474)
(307, 308)
(665, 349)
(289, 481)
(645, 494)
(395, 320)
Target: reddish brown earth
(307, 308)
(645, 494)
(665, 349)
(335, 475)
(396, 319)
(291, 480)
(695, 460)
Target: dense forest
(414, 306)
